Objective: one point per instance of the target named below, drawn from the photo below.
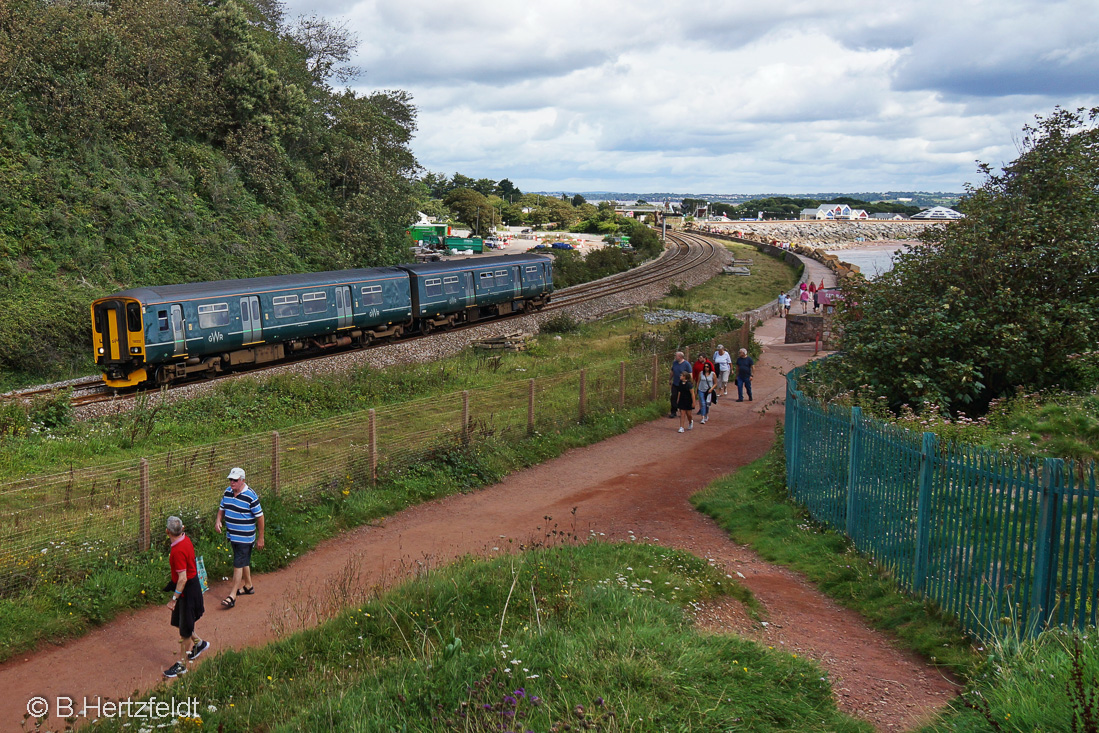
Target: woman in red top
(186, 604)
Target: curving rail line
(684, 253)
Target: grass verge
(589, 637)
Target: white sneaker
(681, 430)
(704, 420)
(691, 425)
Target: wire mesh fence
(70, 519)
(993, 538)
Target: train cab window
(213, 315)
(433, 286)
(162, 320)
(315, 302)
(372, 295)
(485, 280)
(133, 316)
(450, 285)
(286, 306)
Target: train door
(343, 306)
(178, 337)
(516, 281)
(471, 294)
(250, 324)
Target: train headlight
(100, 350)
(135, 349)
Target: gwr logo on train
(159, 334)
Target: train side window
(485, 280)
(372, 295)
(133, 316)
(531, 271)
(433, 286)
(501, 277)
(286, 306)
(162, 320)
(315, 302)
(450, 285)
(213, 315)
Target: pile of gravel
(668, 316)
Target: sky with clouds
(730, 96)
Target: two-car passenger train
(157, 335)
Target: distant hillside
(148, 142)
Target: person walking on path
(804, 300)
(243, 515)
(679, 365)
(685, 401)
(696, 370)
(783, 305)
(186, 604)
(707, 382)
(723, 364)
(744, 366)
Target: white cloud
(724, 96)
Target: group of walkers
(696, 387)
(242, 514)
(806, 292)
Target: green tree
(1000, 300)
(470, 207)
(578, 200)
(508, 190)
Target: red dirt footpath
(632, 487)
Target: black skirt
(189, 608)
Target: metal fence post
(275, 466)
(373, 448)
(530, 408)
(928, 453)
(1045, 545)
(853, 468)
(144, 510)
(583, 391)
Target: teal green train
(162, 334)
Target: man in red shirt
(186, 604)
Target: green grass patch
(752, 506)
(591, 637)
(731, 294)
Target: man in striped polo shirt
(243, 515)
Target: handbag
(203, 579)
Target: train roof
(444, 266)
(253, 285)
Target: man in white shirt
(723, 362)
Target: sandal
(250, 590)
(229, 602)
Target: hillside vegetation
(157, 141)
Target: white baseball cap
(236, 473)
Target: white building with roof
(940, 213)
(833, 211)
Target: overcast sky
(730, 96)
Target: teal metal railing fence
(990, 537)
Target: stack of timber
(518, 341)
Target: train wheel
(427, 327)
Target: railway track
(687, 251)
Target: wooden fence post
(583, 391)
(373, 448)
(656, 372)
(1043, 598)
(928, 455)
(275, 465)
(465, 417)
(530, 408)
(853, 468)
(144, 510)
(621, 385)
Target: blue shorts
(242, 554)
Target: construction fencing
(992, 538)
(74, 518)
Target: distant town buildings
(834, 211)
